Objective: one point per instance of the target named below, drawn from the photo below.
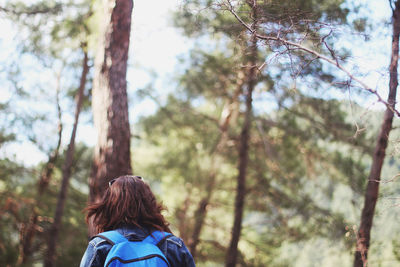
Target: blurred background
(254, 122)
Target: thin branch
(386, 181)
(32, 10)
(334, 61)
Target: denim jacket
(173, 248)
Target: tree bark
(227, 115)
(181, 216)
(28, 231)
(200, 216)
(232, 253)
(66, 171)
(110, 102)
(372, 191)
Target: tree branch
(31, 10)
(333, 61)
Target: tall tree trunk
(110, 102)
(28, 232)
(232, 253)
(371, 194)
(200, 216)
(227, 115)
(66, 171)
(181, 216)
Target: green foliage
(18, 196)
(50, 27)
(305, 149)
(73, 241)
(56, 33)
(308, 160)
(360, 24)
(305, 158)
(12, 201)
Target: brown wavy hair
(127, 201)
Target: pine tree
(110, 102)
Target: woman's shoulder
(97, 241)
(176, 252)
(175, 240)
(96, 252)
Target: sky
(156, 44)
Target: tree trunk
(227, 115)
(181, 216)
(200, 216)
(66, 171)
(371, 194)
(110, 101)
(232, 253)
(28, 232)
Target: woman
(130, 207)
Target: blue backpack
(143, 253)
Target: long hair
(127, 201)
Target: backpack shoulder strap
(114, 237)
(157, 237)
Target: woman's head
(127, 201)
